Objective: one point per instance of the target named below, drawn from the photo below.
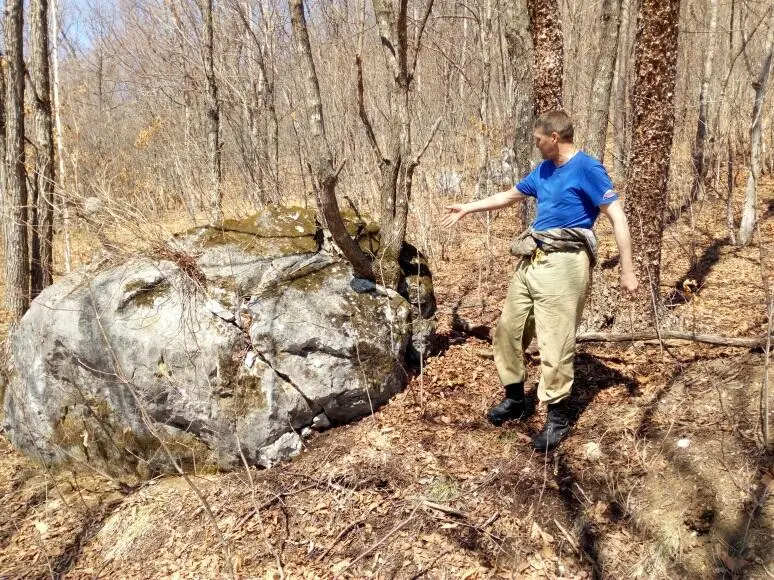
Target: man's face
(546, 144)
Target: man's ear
(555, 137)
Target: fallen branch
(485, 333)
(673, 335)
(346, 530)
(393, 531)
(567, 535)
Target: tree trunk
(17, 267)
(621, 121)
(699, 149)
(603, 79)
(749, 210)
(3, 72)
(520, 54)
(653, 128)
(730, 185)
(547, 39)
(485, 33)
(59, 141)
(521, 58)
(325, 174)
(213, 116)
(42, 272)
(397, 161)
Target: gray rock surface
(229, 344)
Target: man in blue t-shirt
(548, 291)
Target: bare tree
(653, 129)
(397, 159)
(17, 267)
(749, 211)
(547, 39)
(42, 269)
(213, 115)
(699, 149)
(325, 173)
(599, 105)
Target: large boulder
(225, 345)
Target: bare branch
(430, 138)
(369, 129)
(418, 37)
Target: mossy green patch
(144, 293)
(259, 246)
(276, 222)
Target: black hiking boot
(513, 406)
(556, 428)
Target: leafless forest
(125, 121)
(145, 96)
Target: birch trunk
(603, 79)
(699, 148)
(483, 181)
(621, 121)
(212, 126)
(749, 209)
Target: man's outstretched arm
(457, 211)
(614, 212)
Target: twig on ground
(567, 535)
(389, 534)
(346, 530)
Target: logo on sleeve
(609, 194)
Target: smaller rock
(287, 446)
(306, 432)
(321, 422)
(592, 452)
(684, 443)
(362, 285)
(250, 359)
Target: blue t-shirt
(568, 196)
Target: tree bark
(325, 174)
(621, 120)
(749, 210)
(521, 57)
(17, 267)
(485, 33)
(42, 271)
(653, 128)
(213, 116)
(547, 39)
(59, 141)
(699, 149)
(603, 79)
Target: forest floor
(664, 474)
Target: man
(548, 291)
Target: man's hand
(629, 283)
(454, 213)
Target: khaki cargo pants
(546, 296)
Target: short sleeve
(528, 185)
(597, 185)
